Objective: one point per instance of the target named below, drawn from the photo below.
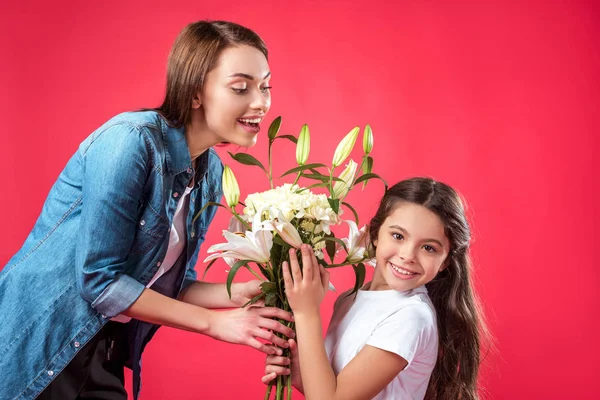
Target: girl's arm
(365, 376)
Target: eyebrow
(247, 76)
(406, 232)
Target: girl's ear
(196, 102)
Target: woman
(112, 254)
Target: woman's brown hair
(194, 54)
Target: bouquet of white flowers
(285, 217)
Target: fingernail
(279, 352)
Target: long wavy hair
(193, 55)
(461, 324)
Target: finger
(293, 348)
(296, 273)
(272, 338)
(315, 263)
(324, 278)
(268, 378)
(307, 265)
(270, 350)
(277, 369)
(274, 312)
(277, 360)
(287, 277)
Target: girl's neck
(198, 137)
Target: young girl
(410, 333)
(112, 254)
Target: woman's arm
(239, 326)
(214, 295)
(365, 376)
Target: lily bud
(303, 145)
(231, 190)
(340, 188)
(345, 147)
(368, 139)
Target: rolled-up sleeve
(116, 163)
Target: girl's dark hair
(194, 54)
(461, 323)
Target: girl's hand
(305, 289)
(279, 365)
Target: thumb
(293, 348)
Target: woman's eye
(397, 236)
(265, 89)
(239, 90)
(429, 249)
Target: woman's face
(236, 96)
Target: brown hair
(193, 55)
(461, 323)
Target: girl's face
(236, 96)
(411, 248)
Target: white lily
(253, 245)
(356, 242)
(287, 231)
(340, 188)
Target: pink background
(499, 99)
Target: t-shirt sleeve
(405, 332)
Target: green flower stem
(297, 177)
(270, 174)
(268, 393)
(260, 278)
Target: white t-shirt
(403, 323)
(177, 240)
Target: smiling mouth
(403, 271)
(251, 122)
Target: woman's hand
(242, 293)
(247, 325)
(305, 289)
(279, 365)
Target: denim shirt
(100, 238)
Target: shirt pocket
(152, 229)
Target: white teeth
(402, 271)
(250, 121)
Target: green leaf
(234, 271)
(271, 299)
(335, 204)
(330, 247)
(331, 238)
(247, 159)
(268, 287)
(366, 177)
(353, 211)
(317, 177)
(210, 203)
(208, 267)
(359, 272)
(288, 137)
(274, 128)
(302, 168)
(254, 299)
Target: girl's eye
(265, 89)
(397, 236)
(239, 90)
(429, 249)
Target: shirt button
(50, 373)
(103, 316)
(158, 264)
(189, 170)
(142, 222)
(175, 194)
(192, 234)
(76, 344)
